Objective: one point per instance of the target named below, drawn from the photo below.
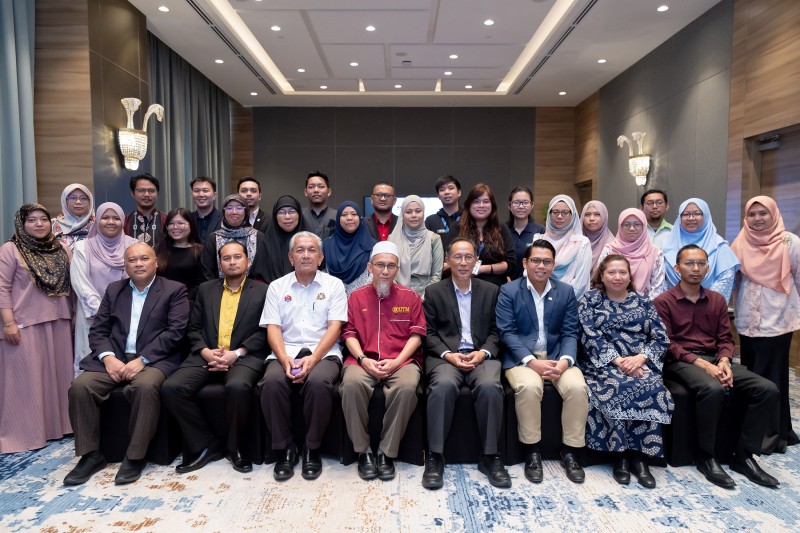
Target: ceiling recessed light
(661, 9)
(453, 56)
(353, 64)
(163, 9)
(468, 86)
(601, 61)
(398, 86)
(218, 61)
(370, 28)
(561, 93)
(275, 28)
(301, 70)
(323, 86)
(488, 22)
(448, 73)
(253, 94)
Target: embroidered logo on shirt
(287, 298)
(399, 309)
(320, 296)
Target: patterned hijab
(347, 254)
(105, 256)
(764, 254)
(567, 240)
(68, 227)
(243, 233)
(599, 238)
(641, 254)
(46, 259)
(414, 245)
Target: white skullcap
(385, 247)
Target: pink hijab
(598, 239)
(105, 256)
(641, 253)
(764, 257)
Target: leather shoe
(385, 467)
(284, 466)
(642, 472)
(533, 467)
(433, 476)
(206, 455)
(130, 470)
(622, 470)
(715, 474)
(312, 464)
(367, 469)
(750, 469)
(493, 468)
(574, 471)
(89, 465)
(239, 463)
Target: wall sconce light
(638, 165)
(133, 142)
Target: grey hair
(305, 234)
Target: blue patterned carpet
(217, 498)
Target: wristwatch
(239, 354)
(360, 358)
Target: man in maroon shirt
(700, 357)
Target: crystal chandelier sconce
(638, 164)
(133, 142)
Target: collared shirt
(303, 312)
(383, 227)
(252, 216)
(137, 304)
(538, 301)
(321, 223)
(227, 313)
(702, 326)
(464, 300)
(446, 226)
(203, 223)
(663, 230)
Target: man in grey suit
(538, 321)
(227, 345)
(462, 346)
(135, 340)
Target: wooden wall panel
(554, 156)
(241, 142)
(780, 178)
(587, 141)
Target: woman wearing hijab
(573, 250)
(235, 226)
(286, 221)
(594, 224)
(634, 244)
(36, 351)
(77, 215)
(768, 305)
(421, 252)
(347, 250)
(694, 226)
(96, 262)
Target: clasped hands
(549, 369)
(633, 365)
(721, 371)
(120, 371)
(219, 359)
(465, 361)
(381, 369)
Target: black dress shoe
(385, 467)
(533, 467)
(492, 467)
(89, 465)
(433, 476)
(367, 469)
(622, 470)
(284, 466)
(749, 468)
(715, 474)
(130, 470)
(312, 464)
(239, 463)
(574, 471)
(642, 472)
(206, 455)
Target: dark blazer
(214, 223)
(161, 326)
(373, 228)
(204, 323)
(519, 325)
(444, 321)
(262, 221)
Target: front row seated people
(304, 313)
(135, 340)
(537, 317)
(701, 357)
(462, 346)
(384, 331)
(226, 345)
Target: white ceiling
(564, 38)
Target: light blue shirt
(541, 341)
(464, 300)
(137, 304)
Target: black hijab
(277, 240)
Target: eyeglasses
(234, 208)
(632, 225)
(462, 258)
(536, 262)
(146, 191)
(696, 214)
(691, 263)
(287, 212)
(384, 266)
(520, 203)
(382, 195)
(172, 225)
(565, 213)
(651, 203)
(72, 198)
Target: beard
(382, 288)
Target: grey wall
(409, 147)
(678, 94)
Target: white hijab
(414, 245)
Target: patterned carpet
(217, 498)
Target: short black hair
(653, 191)
(244, 248)
(462, 239)
(203, 179)
(248, 178)
(318, 174)
(540, 243)
(445, 180)
(145, 176)
(686, 249)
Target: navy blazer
(519, 325)
(161, 327)
(214, 223)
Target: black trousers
(181, 388)
(769, 357)
(759, 394)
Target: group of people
(314, 298)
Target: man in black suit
(382, 221)
(135, 340)
(462, 345)
(249, 188)
(227, 345)
(207, 218)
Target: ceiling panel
(461, 21)
(370, 59)
(429, 55)
(407, 85)
(457, 73)
(290, 48)
(390, 26)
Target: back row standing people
(654, 204)
(77, 215)
(521, 226)
(249, 189)
(445, 221)
(382, 221)
(348, 249)
(145, 223)
(206, 217)
(573, 250)
(594, 224)
(421, 253)
(319, 218)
